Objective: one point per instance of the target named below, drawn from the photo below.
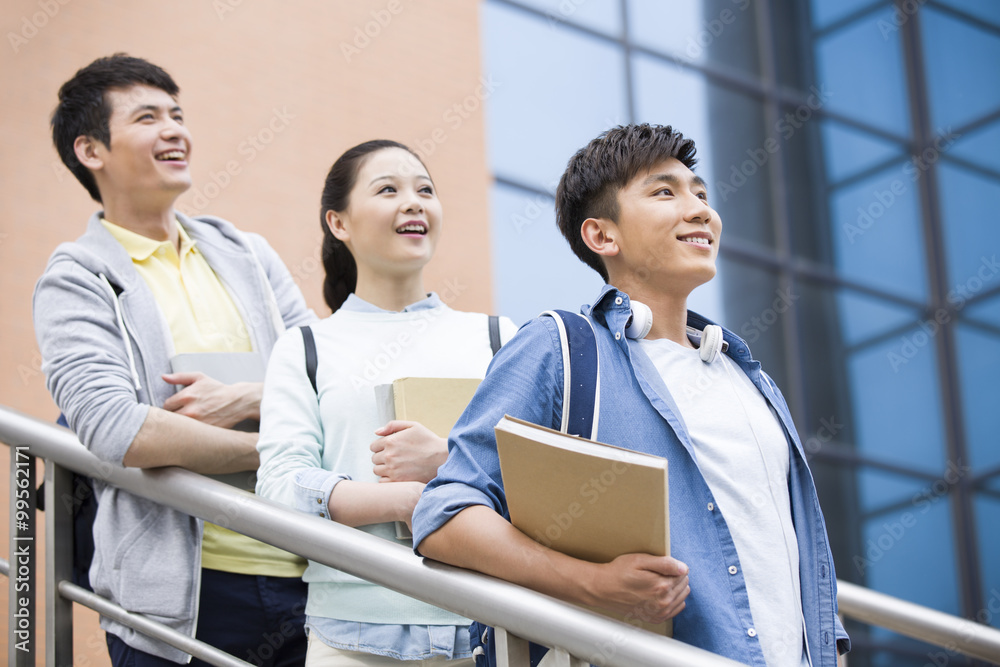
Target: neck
(390, 292)
(669, 311)
(155, 222)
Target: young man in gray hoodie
(143, 284)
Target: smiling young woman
(381, 221)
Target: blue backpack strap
(581, 374)
(310, 346)
(581, 405)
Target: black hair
(338, 262)
(83, 108)
(599, 171)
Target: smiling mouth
(413, 228)
(172, 156)
(698, 240)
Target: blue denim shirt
(525, 381)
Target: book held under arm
(437, 403)
(584, 498)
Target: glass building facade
(852, 148)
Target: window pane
(985, 311)
(577, 80)
(902, 548)
(533, 267)
(988, 11)
(987, 519)
(979, 367)
(877, 237)
(848, 150)
(961, 69)
(718, 32)
(896, 402)
(863, 317)
(825, 12)
(861, 72)
(981, 146)
(602, 15)
(969, 205)
(879, 489)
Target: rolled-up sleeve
(524, 380)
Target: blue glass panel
(878, 489)
(961, 69)
(896, 402)
(985, 311)
(987, 519)
(602, 15)
(987, 11)
(969, 205)
(863, 317)
(848, 150)
(825, 12)
(877, 235)
(901, 549)
(979, 367)
(721, 32)
(533, 266)
(551, 98)
(670, 95)
(981, 146)
(861, 74)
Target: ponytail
(341, 270)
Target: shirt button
(618, 335)
(319, 501)
(711, 507)
(321, 514)
(751, 632)
(618, 301)
(732, 569)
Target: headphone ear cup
(711, 343)
(641, 321)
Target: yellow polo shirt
(203, 318)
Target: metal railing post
(21, 578)
(59, 505)
(511, 650)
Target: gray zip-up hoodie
(104, 345)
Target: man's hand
(212, 402)
(407, 452)
(650, 588)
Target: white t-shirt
(741, 449)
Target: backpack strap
(310, 345)
(581, 374)
(495, 334)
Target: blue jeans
(255, 618)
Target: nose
(698, 209)
(412, 203)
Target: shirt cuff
(314, 486)
(439, 504)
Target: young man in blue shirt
(751, 576)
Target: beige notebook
(437, 403)
(583, 498)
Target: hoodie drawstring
(125, 337)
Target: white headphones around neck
(709, 341)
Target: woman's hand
(407, 452)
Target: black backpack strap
(495, 334)
(310, 346)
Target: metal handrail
(522, 612)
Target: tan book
(584, 498)
(437, 403)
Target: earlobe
(336, 224)
(599, 235)
(87, 153)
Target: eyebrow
(392, 176)
(153, 107)
(673, 180)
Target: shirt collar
(141, 247)
(356, 304)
